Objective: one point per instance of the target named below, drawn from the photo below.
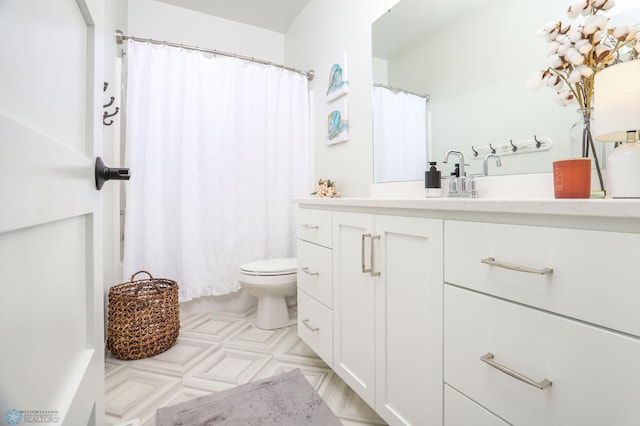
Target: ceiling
(275, 15)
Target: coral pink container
(572, 178)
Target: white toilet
(271, 281)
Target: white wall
(161, 21)
(316, 39)
(115, 13)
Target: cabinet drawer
(461, 411)
(315, 273)
(315, 326)
(595, 373)
(315, 226)
(594, 273)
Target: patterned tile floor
(216, 352)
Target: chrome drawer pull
(306, 324)
(306, 270)
(307, 226)
(491, 261)
(488, 358)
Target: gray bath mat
(285, 399)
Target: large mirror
(473, 57)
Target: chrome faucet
(460, 156)
(485, 172)
(458, 186)
(485, 163)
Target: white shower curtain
(400, 135)
(217, 149)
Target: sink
(516, 187)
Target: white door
(51, 319)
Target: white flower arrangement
(326, 189)
(578, 52)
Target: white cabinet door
(388, 327)
(353, 304)
(51, 321)
(409, 320)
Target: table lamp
(617, 119)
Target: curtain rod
(120, 38)
(396, 90)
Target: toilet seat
(270, 267)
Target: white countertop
(610, 208)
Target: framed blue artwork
(338, 79)
(338, 122)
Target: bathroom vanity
(483, 312)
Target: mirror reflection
(399, 134)
(473, 58)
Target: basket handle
(140, 272)
(155, 285)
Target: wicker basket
(144, 317)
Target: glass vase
(583, 145)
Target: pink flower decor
(326, 189)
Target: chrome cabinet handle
(306, 324)
(491, 261)
(306, 270)
(373, 267)
(364, 269)
(488, 358)
(370, 270)
(307, 226)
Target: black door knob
(104, 173)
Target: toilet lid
(283, 266)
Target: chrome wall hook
(108, 104)
(106, 114)
(513, 147)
